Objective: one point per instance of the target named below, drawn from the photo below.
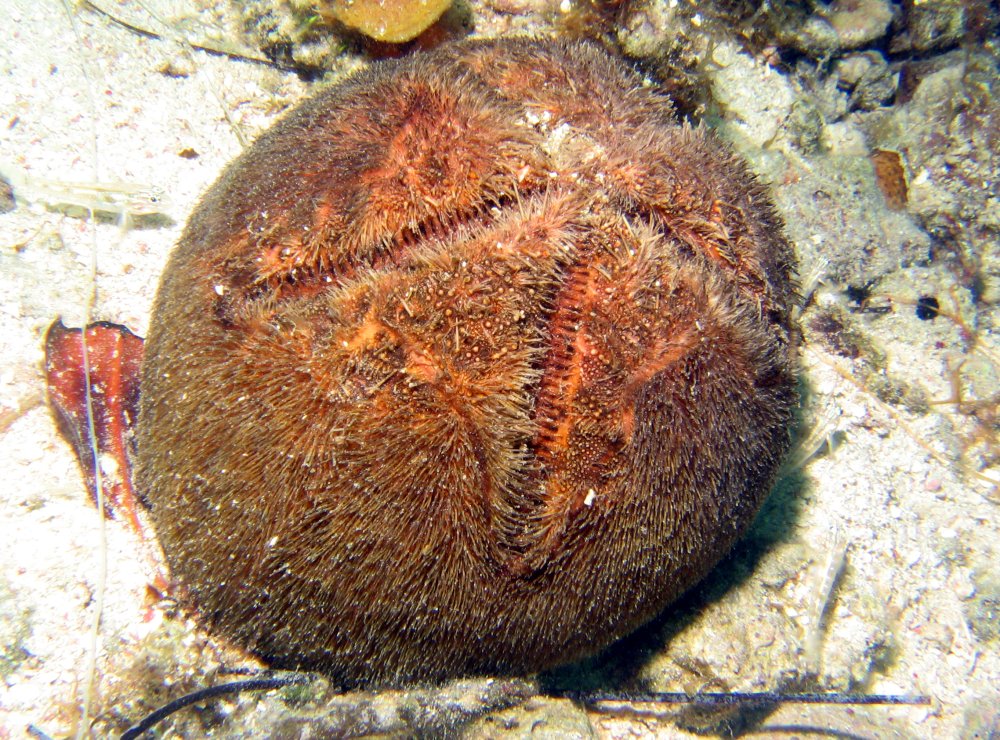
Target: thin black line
(740, 697)
(251, 684)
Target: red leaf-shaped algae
(113, 359)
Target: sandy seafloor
(874, 567)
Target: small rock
(933, 24)
(647, 28)
(845, 24)
(843, 139)
(982, 612)
(868, 78)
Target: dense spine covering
(473, 363)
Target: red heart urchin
(472, 363)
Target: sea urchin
(472, 363)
